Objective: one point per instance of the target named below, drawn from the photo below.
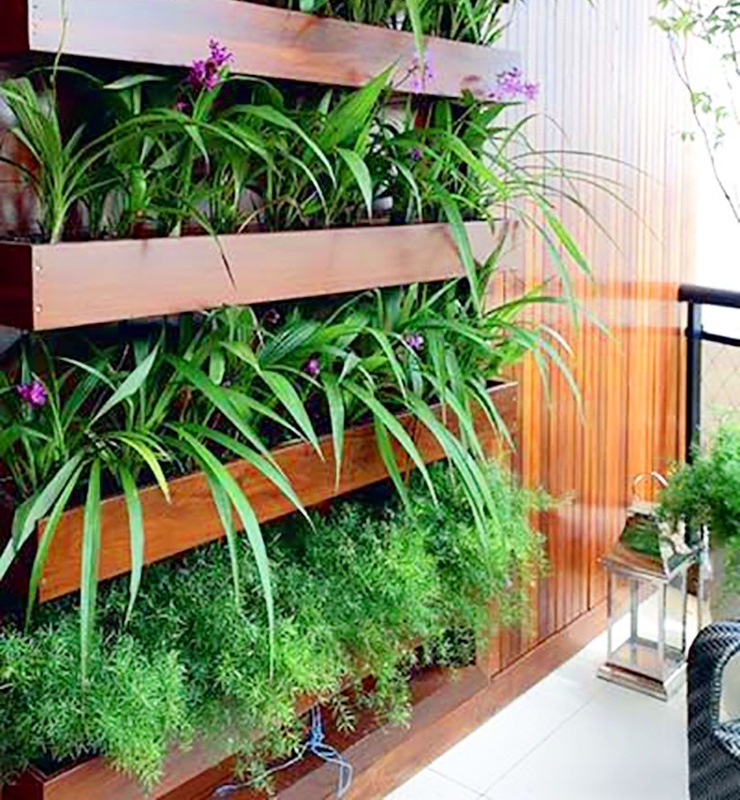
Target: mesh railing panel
(720, 385)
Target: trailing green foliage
(703, 37)
(356, 592)
(707, 492)
(114, 417)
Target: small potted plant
(705, 495)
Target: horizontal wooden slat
(447, 705)
(266, 41)
(44, 287)
(190, 519)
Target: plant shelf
(46, 287)
(268, 42)
(195, 774)
(447, 705)
(190, 519)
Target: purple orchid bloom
(414, 341)
(207, 73)
(511, 86)
(33, 393)
(221, 56)
(312, 367)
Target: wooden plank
(191, 774)
(447, 705)
(45, 287)
(190, 519)
(631, 379)
(389, 756)
(269, 42)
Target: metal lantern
(647, 576)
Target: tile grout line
(567, 719)
(530, 752)
(451, 780)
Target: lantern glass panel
(647, 623)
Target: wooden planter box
(266, 41)
(191, 519)
(44, 287)
(447, 705)
(188, 774)
(195, 774)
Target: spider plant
(66, 169)
(474, 21)
(320, 171)
(119, 418)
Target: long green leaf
(335, 401)
(149, 458)
(361, 173)
(288, 397)
(34, 509)
(136, 534)
(226, 515)
(89, 565)
(221, 399)
(396, 429)
(248, 519)
(46, 539)
(270, 470)
(130, 385)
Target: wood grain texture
(190, 519)
(192, 774)
(266, 41)
(45, 287)
(606, 77)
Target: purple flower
(221, 56)
(271, 317)
(422, 71)
(511, 86)
(414, 341)
(33, 393)
(203, 75)
(312, 367)
(531, 90)
(416, 154)
(206, 74)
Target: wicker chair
(714, 747)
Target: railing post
(693, 376)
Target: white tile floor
(571, 737)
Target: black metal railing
(713, 362)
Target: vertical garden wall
(323, 205)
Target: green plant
(706, 492)
(354, 594)
(115, 419)
(474, 21)
(66, 169)
(703, 38)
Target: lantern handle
(656, 476)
